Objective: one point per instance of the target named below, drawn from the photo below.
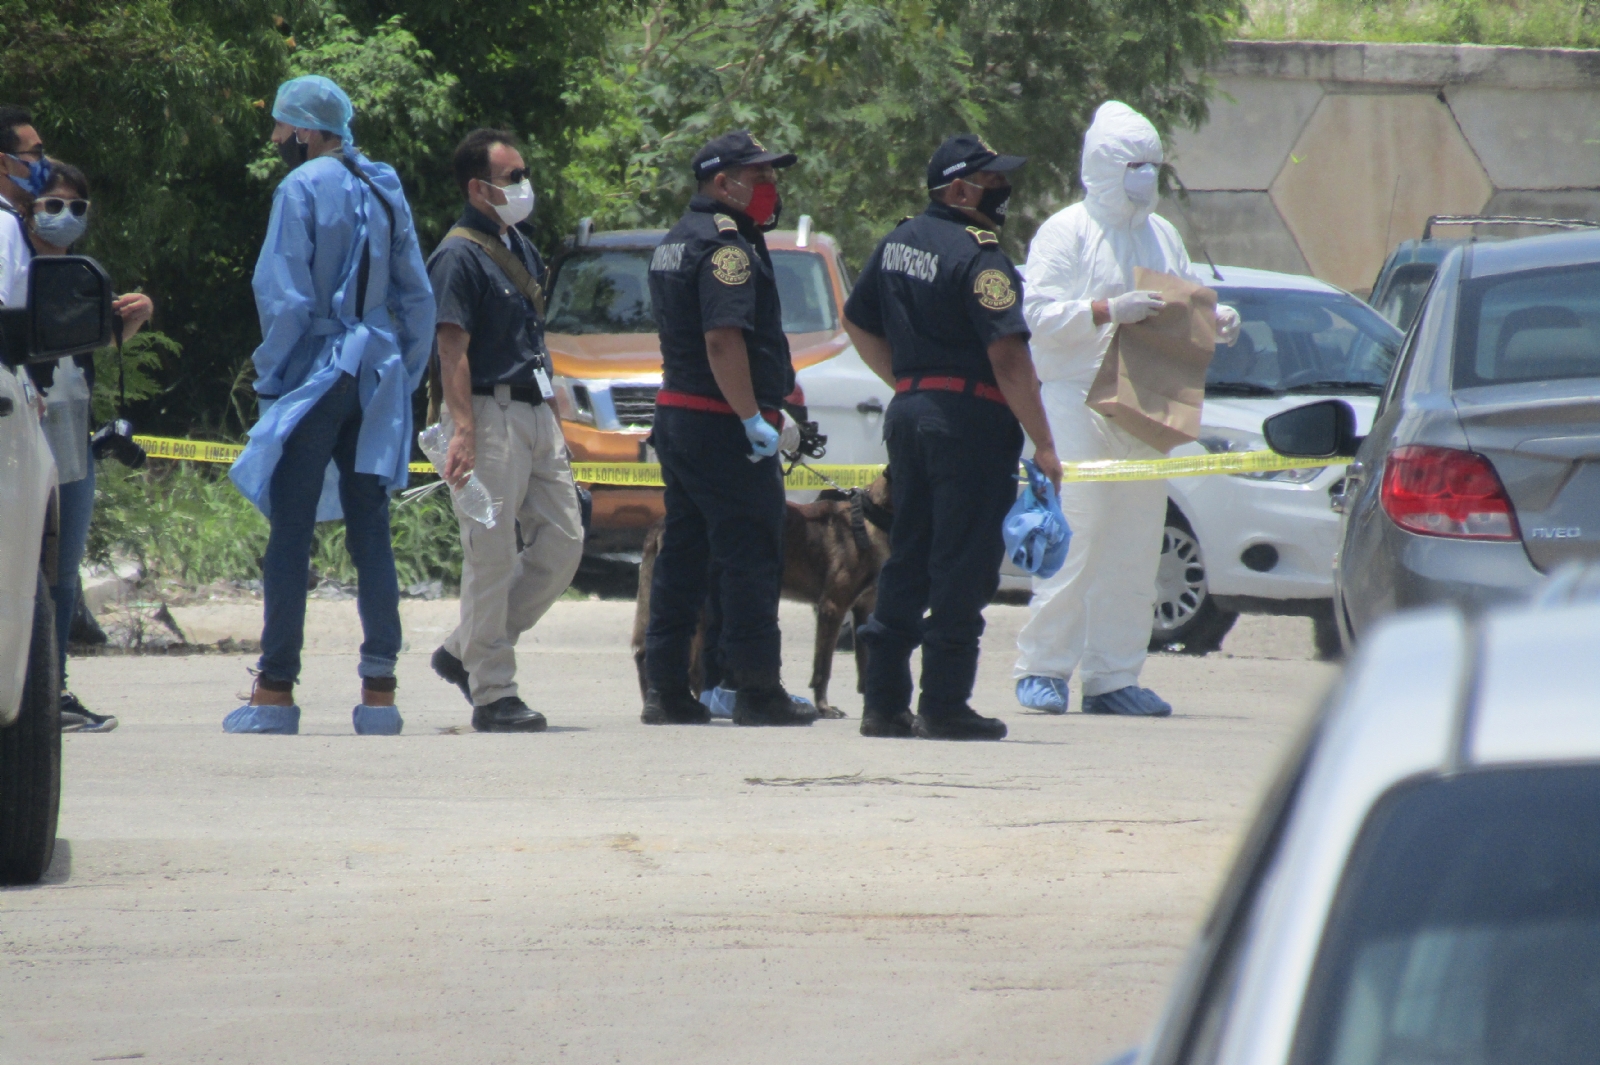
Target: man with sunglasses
(725, 372)
(24, 174)
(495, 372)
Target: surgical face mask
(39, 175)
(764, 203)
(294, 151)
(1140, 183)
(62, 229)
(519, 202)
(993, 204)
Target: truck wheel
(30, 758)
(1185, 614)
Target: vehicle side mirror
(68, 312)
(1322, 430)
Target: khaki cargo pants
(522, 461)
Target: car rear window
(1401, 298)
(1467, 928)
(1304, 342)
(1540, 325)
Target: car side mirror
(1321, 430)
(68, 312)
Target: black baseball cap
(967, 153)
(736, 149)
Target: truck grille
(635, 404)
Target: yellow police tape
(802, 478)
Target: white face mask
(1140, 183)
(518, 205)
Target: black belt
(520, 393)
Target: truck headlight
(573, 402)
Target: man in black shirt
(496, 377)
(725, 372)
(937, 313)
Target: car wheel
(1325, 634)
(30, 758)
(1185, 615)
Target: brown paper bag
(1153, 380)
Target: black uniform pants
(724, 518)
(954, 464)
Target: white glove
(789, 435)
(1227, 324)
(1134, 306)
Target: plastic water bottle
(472, 498)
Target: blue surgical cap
(314, 102)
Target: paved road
(610, 893)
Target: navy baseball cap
(738, 148)
(966, 153)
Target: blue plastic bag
(1035, 531)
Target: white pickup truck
(68, 312)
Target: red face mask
(763, 199)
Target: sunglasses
(55, 205)
(516, 177)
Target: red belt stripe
(708, 404)
(952, 384)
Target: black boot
(449, 668)
(674, 708)
(897, 726)
(762, 701)
(508, 714)
(957, 723)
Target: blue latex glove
(763, 437)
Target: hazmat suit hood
(1118, 136)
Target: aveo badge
(1570, 533)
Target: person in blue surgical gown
(347, 322)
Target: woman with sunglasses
(59, 220)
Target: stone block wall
(1321, 157)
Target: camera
(115, 439)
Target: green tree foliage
(1533, 23)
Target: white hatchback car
(1423, 883)
(68, 312)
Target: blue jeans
(77, 507)
(328, 431)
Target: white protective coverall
(1095, 614)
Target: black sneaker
(75, 717)
(508, 714)
(770, 706)
(449, 668)
(890, 726)
(674, 708)
(961, 723)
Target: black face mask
(993, 204)
(293, 153)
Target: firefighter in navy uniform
(725, 372)
(937, 313)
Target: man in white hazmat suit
(1095, 614)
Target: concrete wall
(1320, 158)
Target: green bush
(187, 522)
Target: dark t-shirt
(941, 290)
(713, 271)
(507, 342)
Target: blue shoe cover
(267, 720)
(1131, 701)
(719, 701)
(376, 720)
(1043, 693)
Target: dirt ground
(607, 892)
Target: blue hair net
(1036, 532)
(313, 102)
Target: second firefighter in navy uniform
(937, 313)
(725, 372)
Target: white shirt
(14, 258)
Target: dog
(833, 550)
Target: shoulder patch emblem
(730, 265)
(984, 237)
(994, 291)
(725, 224)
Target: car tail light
(1440, 491)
